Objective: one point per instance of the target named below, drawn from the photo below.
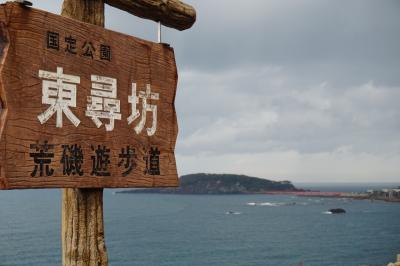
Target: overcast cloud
(300, 90)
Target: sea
(206, 230)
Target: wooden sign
(83, 106)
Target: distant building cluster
(385, 194)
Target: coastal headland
(220, 184)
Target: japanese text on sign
(72, 160)
(60, 92)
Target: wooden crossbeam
(171, 13)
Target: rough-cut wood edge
(82, 232)
(171, 13)
(4, 45)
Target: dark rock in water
(338, 210)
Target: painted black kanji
(88, 49)
(71, 45)
(53, 41)
(105, 52)
(72, 160)
(127, 157)
(100, 161)
(152, 159)
(42, 157)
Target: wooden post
(82, 231)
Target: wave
(262, 204)
(271, 204)
(233, 213)
(327, 212)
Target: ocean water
(187, 230)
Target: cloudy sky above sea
(302, 90)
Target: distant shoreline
(348, 195)
(233, 184)
(298, 193)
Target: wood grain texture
(171, 13)
(23, 39)
(82, 223)
(82, 230)
(89, 11)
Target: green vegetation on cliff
(221, 184)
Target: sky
(304, 90)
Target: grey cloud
(252, 112)
(338, 42)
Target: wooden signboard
(82, 106)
